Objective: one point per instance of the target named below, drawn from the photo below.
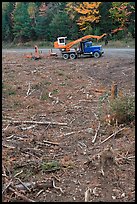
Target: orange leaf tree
(121, 12)
(88, 13)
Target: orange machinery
(61, 41)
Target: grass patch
(16, 104)
(127, 42)
(62, 84)
(42, 44)
(55, 91)
(50, 166)
(60, 73)
(41, 84)
(44, 96)
(47, 83)
(8, 91)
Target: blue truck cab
(86, 48)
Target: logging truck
(85, 47)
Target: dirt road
(125, 52)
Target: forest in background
(45, 21)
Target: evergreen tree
(42, 27)
(22, 23)
(7, 20)
(106, 21)
(25, 21)
(60, 26)
(5, 27)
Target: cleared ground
(50, 111)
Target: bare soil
(58, 160)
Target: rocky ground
(53, 139)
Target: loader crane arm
(61, 41)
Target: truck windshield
(89, 44)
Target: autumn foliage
(28, 21)
(121, 12)
(89, 13)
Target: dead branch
(126, 158)
(6, 186)
(89, 101)
(18, 173)
(6, 127)
(28, 128)
(21, 195)
(49, 142)
(39, 193)
(31, 92)
(87, 195)
(7, 117)
(32, 185)
(24, 184)
(12, 63)
(53, 176)
(4, 170)
(36, 122)
(131, 157)
(54, 98)
(94, 191)
(82, 143)
(96, 133)
(59, 188)
(69, 133)
(28, 89)
(8, 146)
(112, 135)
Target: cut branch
(24, 184)
(59, 188)
(8, 146)
(12, 63)
(21, 195)
(28, 89)
(6, 186)
(35, 185)
(96, 133)
(49, 142)
(36, 122)
(28, 128)
(112, 135)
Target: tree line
(28, 21)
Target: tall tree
(89, 13)
(7, 20)
(121, 12)
(106, 21)
(42, 28)
(22, 22)
(74, 16)
(60, 25)
(131, 25)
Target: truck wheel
(65, 56)
(96, 54)
(72, 56)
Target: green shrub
(123, 108)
